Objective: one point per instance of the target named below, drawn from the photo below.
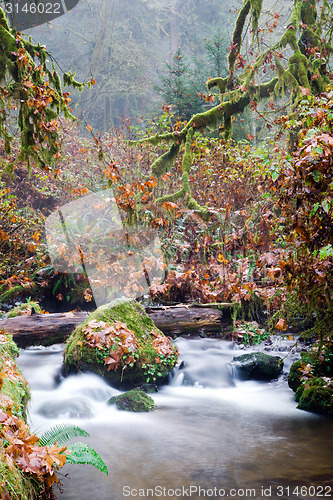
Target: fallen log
(48, 329)
(42, 329)
(185, 320)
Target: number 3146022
(33, 8)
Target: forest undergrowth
(265, 245)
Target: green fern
(80, 453)
(62, 433)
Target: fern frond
(80, 453)
(61, 433)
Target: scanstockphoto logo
(25, 14)
(87, 236)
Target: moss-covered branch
(309, 39)
(237, 40)
(26, 79)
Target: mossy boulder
(308, 364)
(258, 366)
(316, 395)
(121, 343)
(295, 375)
(311, 377)
(134, 400)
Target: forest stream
(210, 430)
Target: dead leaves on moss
(20, 449)
(121, 343)
(118, 339)
(163, 346)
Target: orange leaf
(282, 325)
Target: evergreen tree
(178, 88)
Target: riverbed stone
(135, 400)
(121, 343)
(258, 366)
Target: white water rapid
(211, 431)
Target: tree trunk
(173, 35)
(48, 329)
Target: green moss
(258, 366)
(295, 374)
(298, 67)
(289, 36)
(308, 12)
(317, 362)
(14, 385)
(148, 366)
(164, 162)
(22, 309)
(237, 40)
(11, 293)
(316, 395)
(256, 6)
(311, 378)
(220, 83)
(16, 485)
(135, 400)
(15, 395)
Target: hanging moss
(308, 12)
(290, 35)
(220, 83)
(17, 62)
(237, 40)
(164, 163)
(256, 6)
(298, 67)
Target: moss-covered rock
(295, 374)
(311, 377)
(121, 343)
(258, 366)
(316, 395)
(134, 400)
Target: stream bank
(14, 398)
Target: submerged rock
(134, 400)
(258, 366)
(68, 408)
(120, 342)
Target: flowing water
(212, 436)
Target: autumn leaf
(168, 205)
(282, 325)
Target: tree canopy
(296, 63)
